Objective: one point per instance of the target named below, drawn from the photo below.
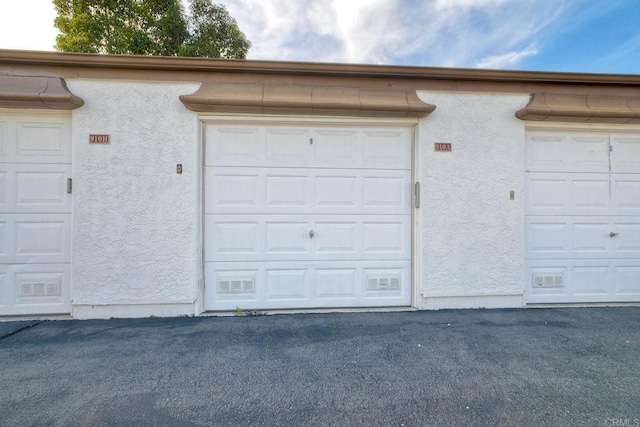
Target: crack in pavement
(31, 325)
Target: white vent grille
(383, 283)
(548, 281)
(240, 286)
(39, 289)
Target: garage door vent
(383, 283)
(240, 286)
(39, 289)
(548, 282)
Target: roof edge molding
(37, 93)
(258, 98)
(553, 107)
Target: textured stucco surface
(472, 233)
(135, 238)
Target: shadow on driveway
(562, 366)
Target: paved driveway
(578, 366)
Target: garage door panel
(625, 194)
(547, 193)
(589, 153)
(234, 282)
(563, 152)
(337, 148)
(4, 293)
(4, 188)
(627, 241)
(582, 237)
(35, 139)
(36, 238)
(40, 139)
(386, 237)
(337, 191)
(286, 284)
(34, 188)
(625, 154)
(546, 152)
(627, 279)
(338, 237)
(590, 193)
(548, 280)
(288, 237)
(568, 194)
(40, 188)
(317, 284)
(387, 149)
(319, 147)
(591, 280)
(305, 191)
(289, 146)
(547, 237)
(40, 238)
(334, 283)
(234, 145)
(287, 190)
(589, 238)
(34, 288)
(582, 194)
(385, 192)
(583, 281)
(233, 190)
(4, 238)
(232, 238)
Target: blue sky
(592, 36)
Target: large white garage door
(303, 217)
(583, 217)
(35, 214)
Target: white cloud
(456, 33)
(507, 59)
(362, 26)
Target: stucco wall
(136, 234)
(472, 233)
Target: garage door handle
(612, 234)
(311, 233)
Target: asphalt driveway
(562, 366)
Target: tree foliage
(148, 27)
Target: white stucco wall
(472, 233)
(136, 242)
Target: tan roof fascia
(581, 108)
(37, 93)
(158, 63)
(307, 100)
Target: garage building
(138, 186)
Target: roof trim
(309, 100)
(84, 60)
(581, 108)
(37, 93)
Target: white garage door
(583, 217)
(35, 214)
(303, 217)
